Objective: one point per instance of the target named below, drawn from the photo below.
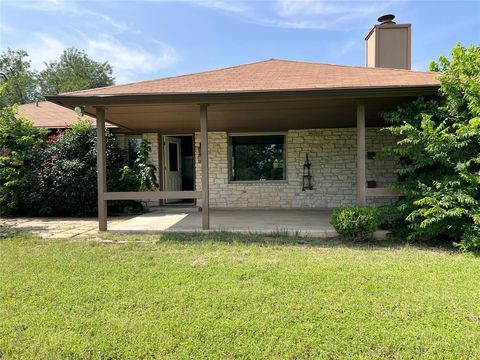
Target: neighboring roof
(271, 76)
(46, 114)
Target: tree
(440, 149)
(74, 71)
(16, 79)
(19, 142)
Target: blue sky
(152, 39)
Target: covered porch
(237, 115)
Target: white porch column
(361, 176)
(204, 159)
(101, 170)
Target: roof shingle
(46, 114)
(273, 75)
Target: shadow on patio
(315, 223)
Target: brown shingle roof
(46, 114)
(273, 75)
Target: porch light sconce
(371, 184)
(80, 110)
(307, 176)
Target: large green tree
(440, 147)
(74, 71)
(17, 80)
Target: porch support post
(204, 159)
(361, 175)
(101, 170)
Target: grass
(235, 296)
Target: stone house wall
(332, 153)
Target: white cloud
(43, 48)
(350, 46)
(6, 29)
(230, 6)
(70, 8)
(302, 14)
(129, 61)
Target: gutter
(244, 96)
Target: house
(55, 118)
(249, 128)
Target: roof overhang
(243, 96)
(246, 111)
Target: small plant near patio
(391, 217)
(356, 223)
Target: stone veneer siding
(332, 153)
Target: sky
(153, 39)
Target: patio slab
(57, 227)
(296, 222)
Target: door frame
(164, 166)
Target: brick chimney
(388, 44)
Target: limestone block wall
(154, 156)
(333, 156)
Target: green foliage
(440, 151)
(470, 239)
(144, 171)
(19, 141)
(59, 176)
(391, 217)
(74, 71)
(356, 223)
(18, 82)
(66, 173)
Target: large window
(257, 157)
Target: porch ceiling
(247, 116)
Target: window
(257, 157)
(173, 156)
(133, 147)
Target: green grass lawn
(235, 296)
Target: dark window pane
(133, 147)
(173, 156)
(259, 157)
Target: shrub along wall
(57, 174)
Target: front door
(173, 165)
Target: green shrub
(391, 217)
(66, 175)
(470, 240)
(19, 142)
(356, 223)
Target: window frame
(229, 157)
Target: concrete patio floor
(299, 222)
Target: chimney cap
(386, 19)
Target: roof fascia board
(130, 99)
